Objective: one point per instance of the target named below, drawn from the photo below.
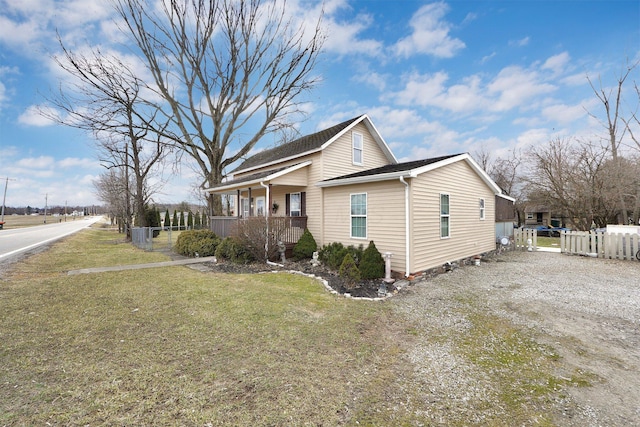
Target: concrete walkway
(141, 266)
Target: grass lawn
(549, 242)
(175, 346)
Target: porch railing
(290, 228)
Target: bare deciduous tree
(228, 72)
(611, 100)
(577, 180)
(111, 188)
(105, 100)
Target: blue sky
(435, 77)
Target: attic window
(357, 142)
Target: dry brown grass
(175, 346)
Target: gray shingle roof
(301, 145)
(391, 168)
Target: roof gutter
(362, 179)
(407, 246)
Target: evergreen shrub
(305, 247)
(349, 271)
(372, 264)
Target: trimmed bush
(201, 242)
(333, 254)
(372, 264)
(229, 249)
(349, 271)
(305, 247)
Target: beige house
(345, 185)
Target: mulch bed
(364, 288)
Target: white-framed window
(529, 216)
(445, 229)
(260, 206)
(295, 204)
(246, 206)
(359, 216)
(358, 147)
(482, 209)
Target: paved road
(16, 241)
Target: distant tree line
(588, 182)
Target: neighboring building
(541, 215)
(506, 216)
(345, 185)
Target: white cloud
(519, 43)
(430, 90)
(563, 113)
(32, 116)
(515, 86)
(41, 162)
(430, 34)
(75, 162)
(557, 63)
(343, 38)
(372, 79)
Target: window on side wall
(481, 208)
(359, 216)
(358, 147)
(445, 229)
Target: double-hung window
(358, 147)
(445, 230)
(482, 209)
(359, 215)
(295, 205)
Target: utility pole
(4, 199)
(46, 201)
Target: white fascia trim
(504, 196)
(372, 130)
(466, 157)
(364, 179)
(275, 162)
(258, 180)
(379, 139)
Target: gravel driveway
(587, 310)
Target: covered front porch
(274, 198)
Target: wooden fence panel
(521, 237)
(599, 244)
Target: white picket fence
(600, 244)
(521, 238)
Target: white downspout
(266, 217)
(407, 243)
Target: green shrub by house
(306, 246)
(372, 264)
(229, 249)
(333, 254)
(200, 242)
(349, 271)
